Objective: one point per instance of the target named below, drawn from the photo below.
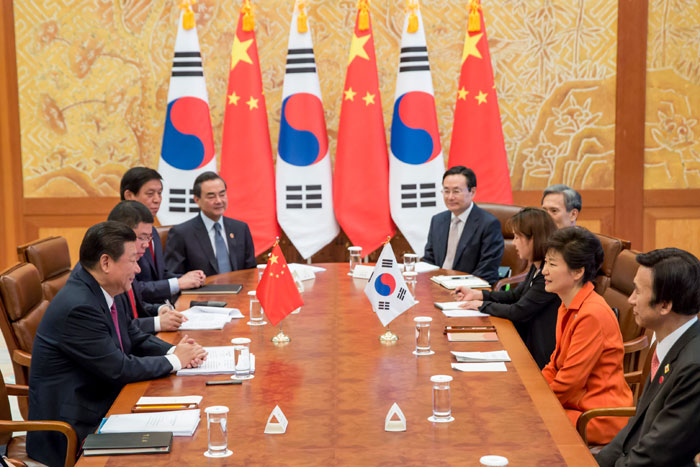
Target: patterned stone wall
(93, 79)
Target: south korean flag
(386, 288)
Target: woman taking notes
(585, 370)
(529, 306)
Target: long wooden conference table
(335, 382)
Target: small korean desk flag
(386, 288)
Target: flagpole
(281, 337)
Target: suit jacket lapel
(471, 226)
(231, 242)
(653, 387)
(205, 243)
(442, 232)
(86, 277)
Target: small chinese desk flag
(277, 292)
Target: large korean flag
(304, 184)
(416, 164)
(188, 143)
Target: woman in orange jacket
(585, 370)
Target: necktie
(153, 252)
(221, 251)
(654, 366)
(113, 312)
(452, 242)
(132, 300)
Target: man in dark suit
(666, 429)
(465, 237)
(563, 204)
(154, 282)
(85, 349)
(150, 317)
(210, 241)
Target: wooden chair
(16, 446)
(22, 305)
(52, 259)
(638, 378)
(503, 212)
(163, 233)
(612, 247)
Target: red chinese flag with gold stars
(477, 134)
(277, 292)
(361, 177)
(246, 153)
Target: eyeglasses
(145, 238)
(452, 192)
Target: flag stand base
(281, 338)
(388, 336)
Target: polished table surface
(335, 382)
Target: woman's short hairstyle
(579, 248)
(534, 224)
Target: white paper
(303, 271)
(276, 427)
(474, 357)
(169, 400)
(362, 271)
(463, 313)
(231, 312)
(395, 425)
(422, 266)
(452, 282)
(208, 317)
(219, 362)
(495, 366)
(449, 305)
(180, 422)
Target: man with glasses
(155, 283)
(465, 237)
(210, 241)
(150, 317)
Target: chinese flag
(477, 134)
(277, 291)
(361, 177)
(246, 153)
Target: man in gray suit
(210, 241)
(666, 429)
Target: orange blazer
(585, 370)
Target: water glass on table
(442, 404)
(355, 253)
(217, 436)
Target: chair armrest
(636, 344)
(589, 415)
(633, 377)
(8, 426)
(510, 280)
(22, 358)
(17, 390)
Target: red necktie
(132, 300)
(153, 253)
(654, 366)
(113, 312)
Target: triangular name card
(280, 425)
(391, 423)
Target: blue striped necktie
(221, 251)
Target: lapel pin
(661, 379)
(231, 235)
(667, 368)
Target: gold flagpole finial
(248, 16)
(411, 6)
(188, 15)
(302, 25)
(363, 21)
(474, 16)
(388, 239)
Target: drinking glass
(409, 262)
(355, 257)
(256, 311)
(423, 335)
(217, 439)
(442, 405)
(261, 270)
(241, 357)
